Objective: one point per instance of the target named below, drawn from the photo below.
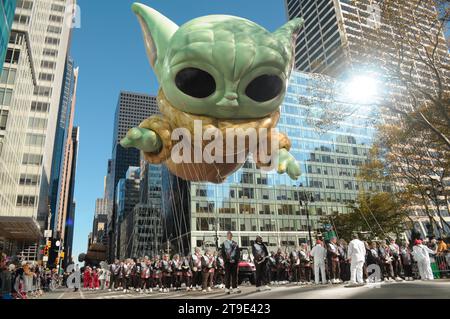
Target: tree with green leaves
(381, 214)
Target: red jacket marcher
(87, 278)
(95, 282)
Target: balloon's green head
(219, 66)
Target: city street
(438, 289)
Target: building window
(32, 159)
(37, 123)
(26, 201)
(3, 119)
(24, 4)
(8, 76)
(40, 107)
(12, 56)
(5, 96)
(37, 140)
(29, 179)
(43, 91)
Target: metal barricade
(440, 264)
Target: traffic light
(46, 248)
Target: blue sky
(109, 50)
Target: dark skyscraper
(132, 109)
(319, 42)
(70, 217)
(61, 135)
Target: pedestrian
(333, 261)
(396, 261)
(95, 279)
(208, 265)
(177, 272)
(356, 256)
(146, 276)
(102, 278)
(196, 260)
(87, 278)
(260, 257)
(319, 254)
(294, 258)
(187, 272)
(272, 268)
(166, 268)
(344, 265)
(373, 258)
(406, 260)
(305, 264)
(231, 255)
(442, 247)
(157, 273)
(219, 273)
(6, 279)
(137, 269)
(125, 274)
(386, 262)
(421, 254)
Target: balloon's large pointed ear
(287, 34)
(158, 30)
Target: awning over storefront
(19, 228)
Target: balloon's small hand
(288, 164)
(142, 139)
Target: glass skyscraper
(131, 109)
(253, 202)
(31, 87)
(7, 8)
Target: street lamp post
(306, 201)
(217, 236)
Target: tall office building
(69, 219)
(330, 41)
(62, 136)
(34, 69)
(7, 8)
(334, 38)
(253, 202)
(147, 234)
(128, 195)
(99, 228)
(68, 170)
(132, 109)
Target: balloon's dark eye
(264, 88)
(195, 82)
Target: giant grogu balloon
(217, 73)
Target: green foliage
(381, 214)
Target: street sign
(47, 233)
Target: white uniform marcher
(421, 254)
(319, 253)
(357, 254)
